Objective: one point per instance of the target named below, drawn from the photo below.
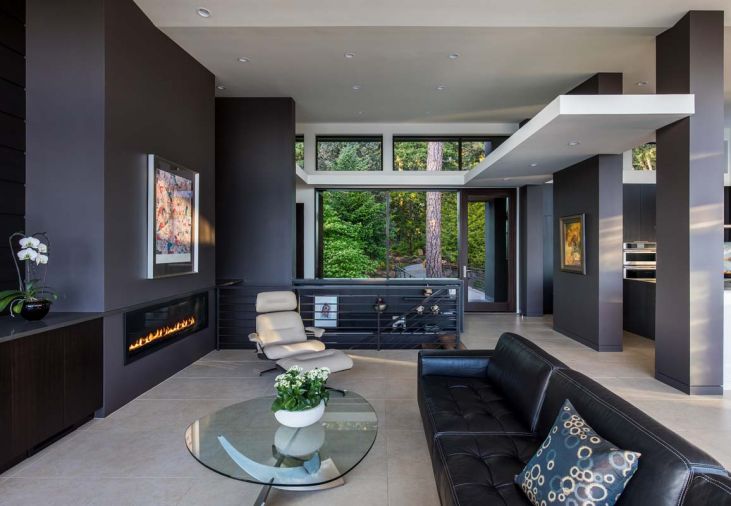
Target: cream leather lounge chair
(281, 336)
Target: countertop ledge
(15, 328)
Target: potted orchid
(301, 396)
(32, 298)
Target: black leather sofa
(485, 412)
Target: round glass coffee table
(245, 442)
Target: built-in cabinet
(639, 307)
(49, 382)
(639, 212)
(639, 226)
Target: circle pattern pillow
(575, 466)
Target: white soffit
(604, 124)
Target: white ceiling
(514, 56)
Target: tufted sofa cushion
(481, 469)
(467, 405)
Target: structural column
(689, 315)
(531, 250)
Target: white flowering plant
(33, 252)
(298, 390)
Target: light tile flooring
(137, 455)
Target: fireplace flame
(162, 333)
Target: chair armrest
(254, 338)
(461, 363)
(318, 333)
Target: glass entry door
(487, 249)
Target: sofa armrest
(461, 363)
(318, 333)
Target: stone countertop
(14, 328)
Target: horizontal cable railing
(365, 314)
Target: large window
(441, 153)
(385, 234)
(299, 151)
(350, 153)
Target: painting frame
(182, 258)
(568, 225)
(323, 319)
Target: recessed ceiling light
(360, 113)
(349, 55)
(534, 164)
(203, 12)
(506, 179)
(356, 87)
(454, 56)
(441, 87)
(574, 143)
(220, 87)
(243, 59)
(641, 83)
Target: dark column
(548, 249)
(255, 195)
(689, 316)
(588, 307)
(531, 250)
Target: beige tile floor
(137, 455)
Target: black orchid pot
(34, 310)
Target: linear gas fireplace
(154, 327)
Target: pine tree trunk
(433, 247)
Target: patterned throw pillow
(575, 466)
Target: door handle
(464, 271)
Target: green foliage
(645, 157)
(299, 154)
(412, 155)
(354, 226)
(352, 155)
(298, 391)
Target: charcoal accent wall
(588, 308)
(256, 190)
(548, 249)
(531, 250)
(689, 294)
(602, 83)
(128, 91)
(12, 132)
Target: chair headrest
(268, 302)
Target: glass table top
(245, 442)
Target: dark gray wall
(12, 132)
(256, 190)
(531, 250)
(65, 152)
(128, 91)
(160, 100)
(689, 297)
(639, 212)
(603, 83)
(588, 307)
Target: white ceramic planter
(298, 419)
(301, 442)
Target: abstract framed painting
(172, 218)
(573, 243)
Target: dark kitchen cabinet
(50, 382)
(639, 212)
(639, 307)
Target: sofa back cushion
(668, 461)
(520, 370)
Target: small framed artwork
(326, 311)
(172, 218)
(573, 243)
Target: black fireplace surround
(486, 412)
(151, 328)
